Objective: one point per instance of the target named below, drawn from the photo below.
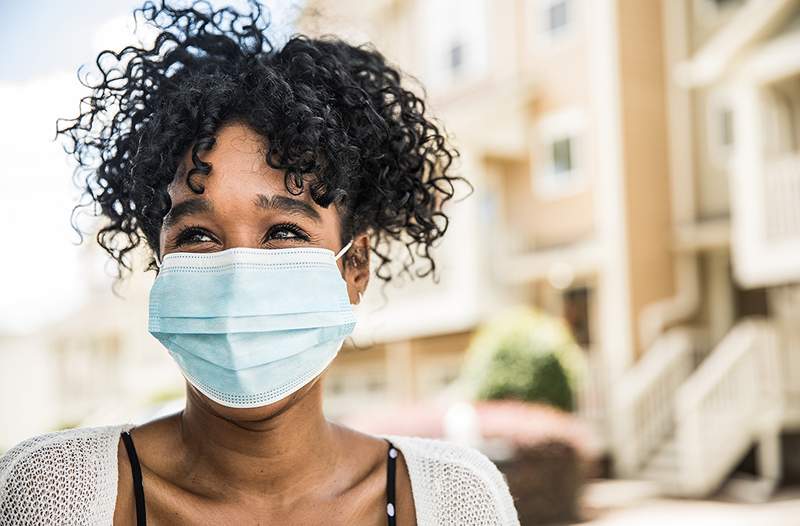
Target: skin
(283, 463)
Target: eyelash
(294, 229)
(185, 236)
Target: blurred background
(617, 320)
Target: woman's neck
(269, 453)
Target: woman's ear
(356, 268)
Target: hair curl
(336, 118)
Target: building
(636, 166)
(725, 378)
(559, 109)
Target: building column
(721, 301)
(613, 287)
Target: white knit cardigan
(70, 477)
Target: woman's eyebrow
(190, 206)
(289, 205)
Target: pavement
(628, 503)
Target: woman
(261, 179)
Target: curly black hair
(335, 116)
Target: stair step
(663, 465)
(668, 458)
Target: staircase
(663, 464)
(687, 427)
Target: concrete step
(662, 467)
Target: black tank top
(138, 488)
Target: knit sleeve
(67, 477)
(456, 485)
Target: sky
(42, 267)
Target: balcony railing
(781, 198)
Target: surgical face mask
(248, 327)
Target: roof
(753, 21)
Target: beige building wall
(543, 223)
(561, 82)
(645, 157)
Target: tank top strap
(136, 471)
(391, 470)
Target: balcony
(782, 198)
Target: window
(576, 314)
(722, 4)
(552, 23)
(456, 56)
(559, 173)
(336, 385)
(375, 384)
(726, 127)
(720, 128)
(552, 20)
(709, 11)
(557, 16)
(454, 41)
(558, 169)
(562, 156)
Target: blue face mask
(249, 327)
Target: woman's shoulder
(456, 484)
(61, 477)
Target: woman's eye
(193, 236)
(286, 232)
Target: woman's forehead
(238, 164)
(240, 180)
(237, 150)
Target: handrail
(643, 400)
(717, 366)
(720, 409)
(782, 191)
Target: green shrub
(525, 355)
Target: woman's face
(245, 204)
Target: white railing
(781, 198)
(592, 397)
(785, 310)
(643, 400)
(725, 406)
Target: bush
(524, 355)
(533, 377)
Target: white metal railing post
(720, 410)
(642, 408)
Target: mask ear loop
(340, 253)
(158, 262)
(343, 250)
